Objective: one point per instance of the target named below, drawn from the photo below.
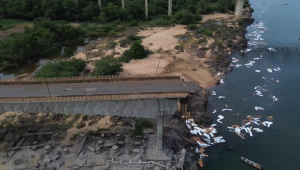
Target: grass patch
(9, 23)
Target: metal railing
(88, 79)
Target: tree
(108, 66)
(136, 51)
(69, 68)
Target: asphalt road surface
(76, 89)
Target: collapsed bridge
(147, 96)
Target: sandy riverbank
(166, 59)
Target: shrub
(69, 68)
(179, 48)
(136, 51)
(202, 41)
(84, 117)
(124, 42)
(192, 27)
(108, 66)
(146, 123)
(111, 45)
(67, 52)
(80, 125)
(132, 37)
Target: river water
(278, 147)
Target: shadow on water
(34, 65)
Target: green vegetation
(202, 41)
(192, 27)
(36, 42)
(128, 40)
(85, 117)
(88, 10)
(206, 32)
(67, 52)
(69, 68)
(108, 66)
(138, 129)
(8, 23)
(136, 51)
(180, 47)
(111, 45)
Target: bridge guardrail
(97, 97)
(87, 78)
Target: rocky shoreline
(197, 102)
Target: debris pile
(204, 137)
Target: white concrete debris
(271, 49)
(263, 77)
(221, 97)
(274, 98)
(267, 123)
(213, 93)
(238, 65)
(220, 118)
(269, 70)
(258, 71)
(250, 64)
(258, 108)
(222, 81)
(258, 93)
(226, 109)
(214, 111)
(258, 130)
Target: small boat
(256, 165)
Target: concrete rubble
(113, 148)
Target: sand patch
(162, 38)
(215, 17)
(9, 114)
(102, 123)
(190, 72)
(153, 64)
(80, 55)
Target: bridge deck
(96, 88)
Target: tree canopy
(69, 68)
(108, 66)
(88, 10)
(36, 42)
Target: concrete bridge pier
(238, 9)
(170, 8)
(100, 3)
(123, 4)
(76, 3)
(159, 142)
(146, 8)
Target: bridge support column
(170, 8)
(146, 8)
(159, 143)
(99, 3)
(76, 3)
(123, 4)
(238, 9)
